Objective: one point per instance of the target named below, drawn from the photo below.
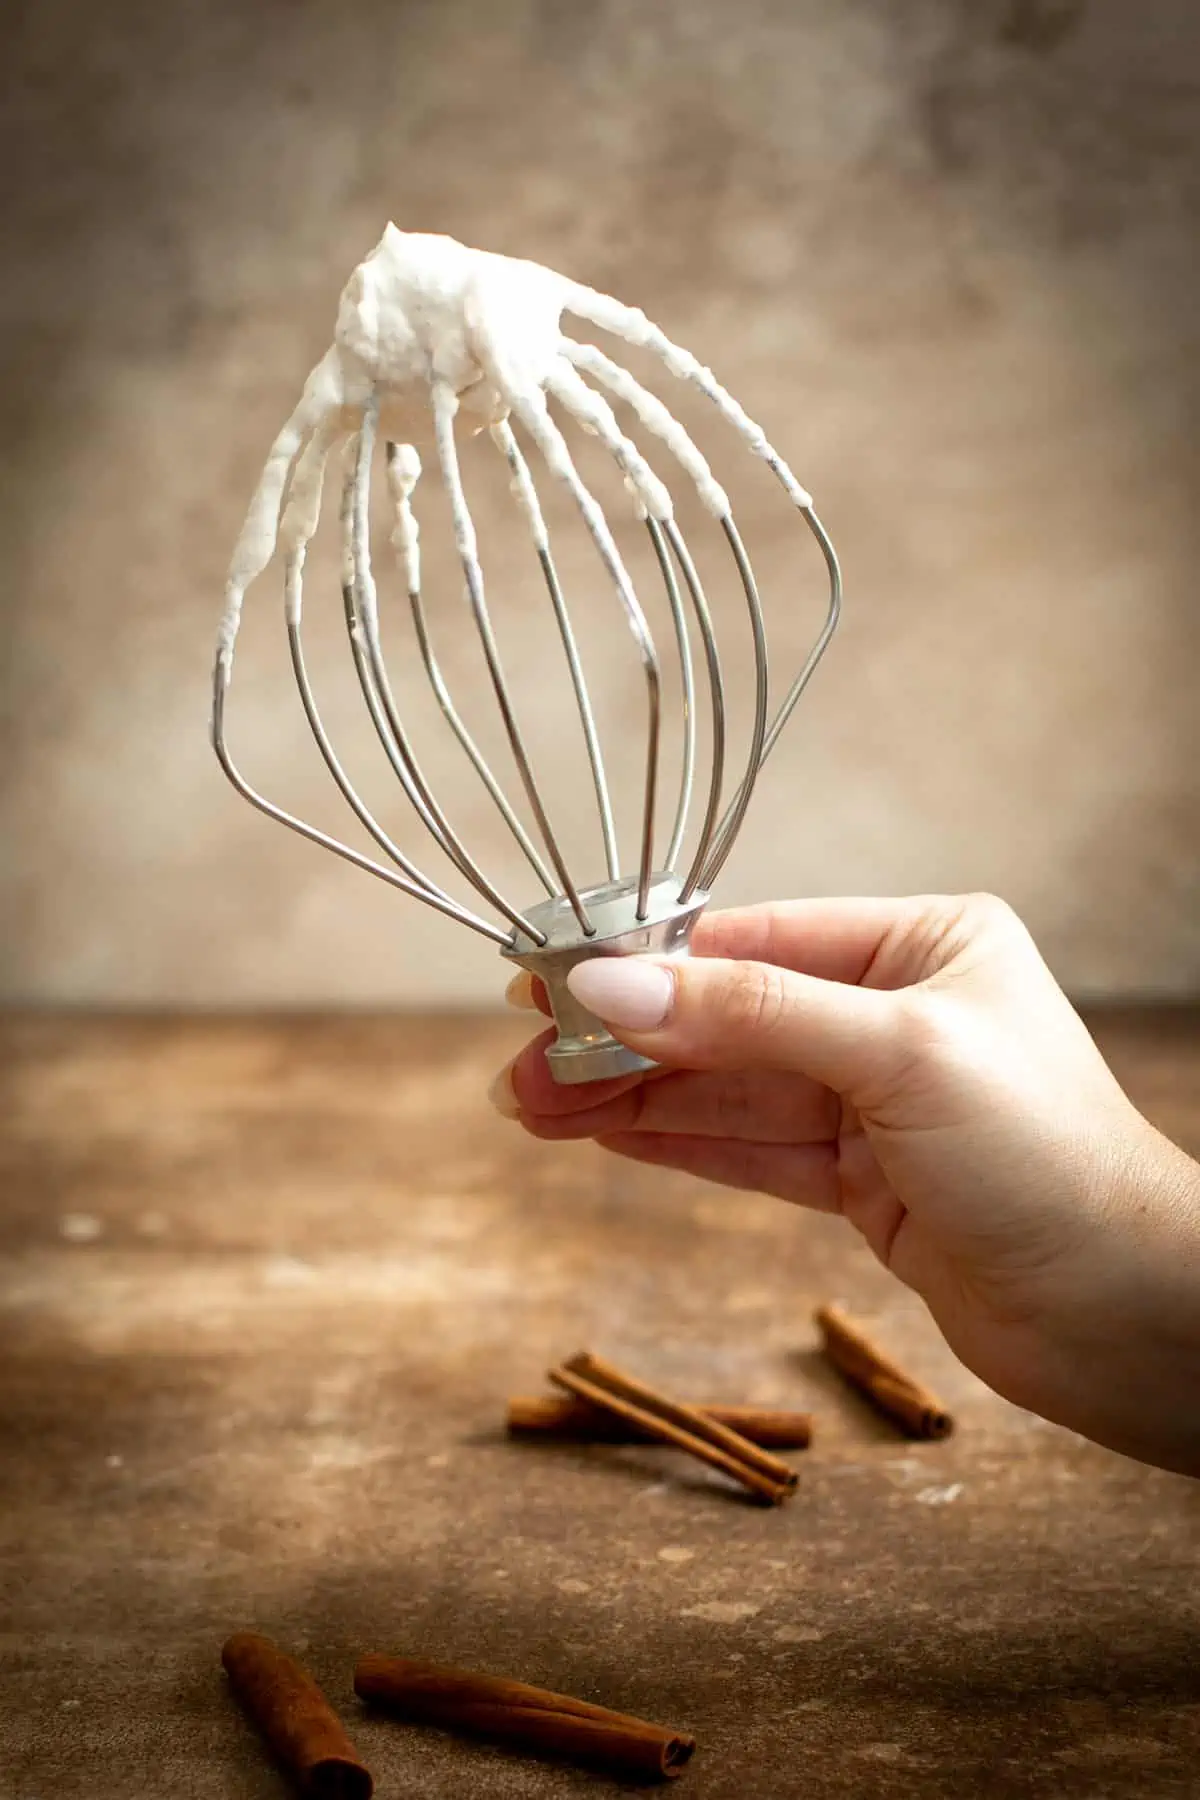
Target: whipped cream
(427, 324)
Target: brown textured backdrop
(946, 249)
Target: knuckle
(757, 1000)
(990, 928)
(924, 1043)
(988, 912)
(944, 932)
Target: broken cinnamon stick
(295, 1718)
(564, 1416)
(904, 1400)
(513, 1713)
(671, 1422)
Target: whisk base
(585, 1050)
(603, 1059)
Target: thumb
(704, 1013)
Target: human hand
(914, 1066)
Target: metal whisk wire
(342, 407)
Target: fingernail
(519, 992)
(503, 1095)
(624, 990)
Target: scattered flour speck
(885, 1753)
(80, 1228)
(722, 1612)
(287, 1272)
(940, 1496)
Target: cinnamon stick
(564, 1416)
(295, 1718)
(513, 1713)
(897, 1394)
(672, 1422)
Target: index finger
(835, 940)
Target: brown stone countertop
(264, 1287)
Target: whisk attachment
(429, 330)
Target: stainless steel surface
(363, 616)
(585, 1049)
(524, 484)
(654, 907)
(449, 711)
(445, 407)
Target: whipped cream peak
(430, 329)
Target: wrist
(1134, 1341)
